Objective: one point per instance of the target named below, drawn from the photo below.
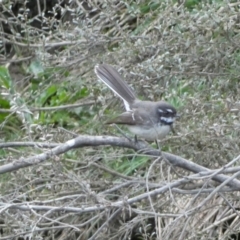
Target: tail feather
(114, 81)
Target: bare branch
(140, 146)
(68, 106)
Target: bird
(146, 119)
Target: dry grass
(189, 57)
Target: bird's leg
(135, 139)
(158, 147)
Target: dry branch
(140, 146)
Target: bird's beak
(178, 115)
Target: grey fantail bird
(146, 119)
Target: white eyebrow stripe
(169, 110)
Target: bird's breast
(150, 133)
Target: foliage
(186, 54)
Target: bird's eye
(168, 113)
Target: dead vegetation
(184, 53)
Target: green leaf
(4, 103)
(5, 78)
(149, 7)
(45, 96)
(36, 68)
